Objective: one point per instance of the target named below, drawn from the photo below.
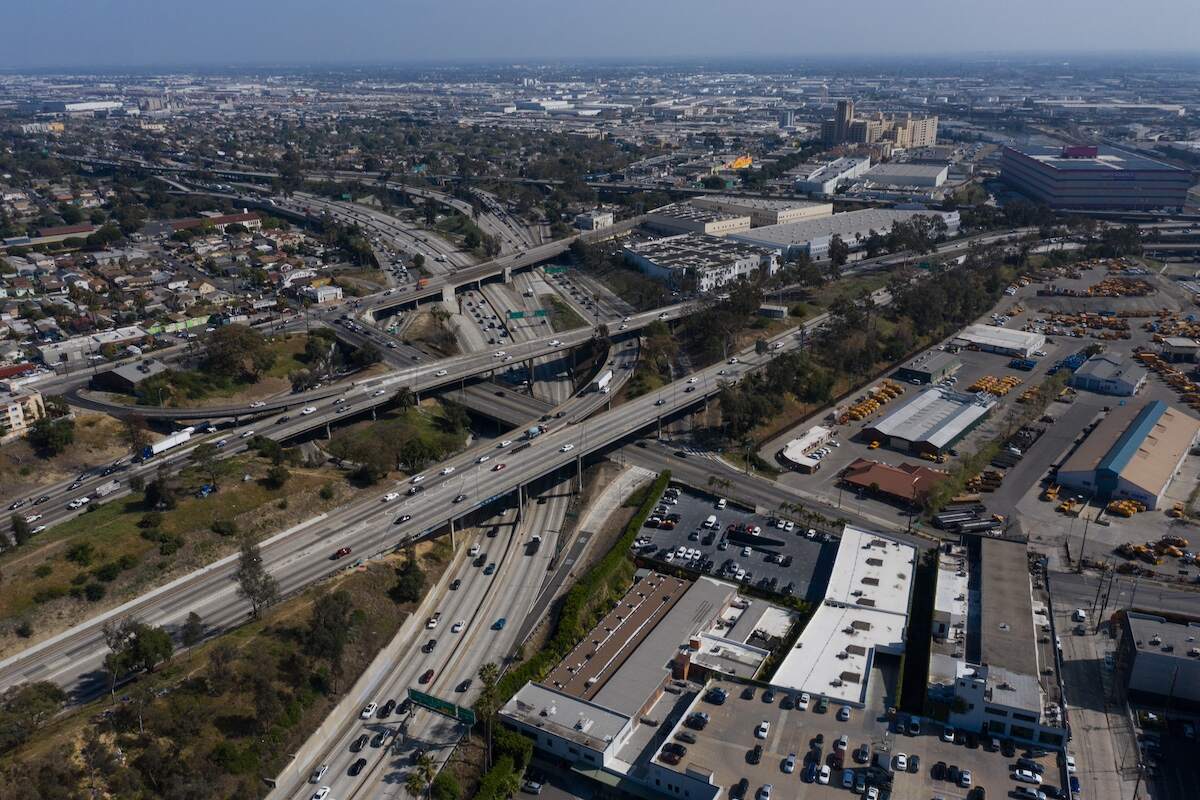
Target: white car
(379, 393)
(692, 379)
(79, 502)
(872, 793)
(417, 478)
(964, 778)
(823, 775)
(482, 459)
(901, 762)
(802, 703)
(308, 410)
(32, 518)
(566, 448)
(321, 793)
(733, 360)
(1070, 761)
(555, 342)
(441, 373)
(499, 354)
(474, 551)
(446, 470)
(390, 496)
(762, 730)
(1027, 776)
(458, 626)
(368, 710)
(257, 404)
(248, 434)
(947, 734)
(37, 530)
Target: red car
(498, 467)
(427, 676)
(341, 553)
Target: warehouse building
(764, 211)
(1179, 348)
(1159, 657)
(823, 179)
(126, 378)
(1133, 454)
(599, 712)
(929, 368)
(1006, 341)
(1109, 374)
(695, 262)
(79, 349)
(1094, 177)
(812, 236)
(989, 666)
(932, 422)
(686, 218)
(906, 485)
(908, 174)
(864, 615)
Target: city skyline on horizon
(224, 34)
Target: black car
(403, 518)
(463, 685)
(1008, 748)
(938, 773)
(454, 584)
(788, 702)
(755, 755)
(43, 499)
(405, 705)
(738, 790)
(428, 646)
(460, 498)
(686, 736)
(282, 419)
(768, 696)
(378, 739)
(359, 743)
(357, 766)
(15, 505)
(748, 693)
(914, 763)
(972, 741)
(386, 710)
(952, 773)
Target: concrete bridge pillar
(449, 299)
(579, 473)
(507, 274)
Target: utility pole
(1082, 545)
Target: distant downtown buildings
(904, 131)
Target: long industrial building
(764, 211)
(989, 666)
(695, 262)
(813, 236)
(687, 218)
(1133, 454)
(1006, 341)
(1092, 177)
(932, 422)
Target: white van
(1079, 616)
(711, 522)
(721, 503)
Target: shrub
(49, 593)
(327, 492)
(42, 570)
(151, 519)
(94, 591)
(107, 572)
(225, 527)
(81, 553)
(24, 629)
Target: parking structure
(791, 561)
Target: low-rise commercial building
(126, 378)
(931, 368)
(323, 294)
(687, 218)
(991, 667)
(906, 484)
(795, 453)
(594, 220)
(1133, 454)
(1006, 341)
(823, 179)
(78, 349)
(695, 262)
(1159, 657)
(1179, 348)
(21, 409)
(908, 174)
(1094, 177)
(764, 211)
(1106, 373)
(812, 236)
(932, 422)
(864, 615)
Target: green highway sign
(541, 312)
(555, 270)
(516, 315)
(443, 707)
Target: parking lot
(726, 744)
(792, 558)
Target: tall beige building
(19, 410)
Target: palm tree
(415, 784)
(489, 674)
(404, 398)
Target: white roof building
(865, 611)
(993, 338)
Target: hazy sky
(52, 33)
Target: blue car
(810, 772)
(1074, 786)
(500, 623)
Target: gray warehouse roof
(848, 225)
(1007, 636)
(1105, 367)
(937, 416)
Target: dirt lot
(98, 440)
